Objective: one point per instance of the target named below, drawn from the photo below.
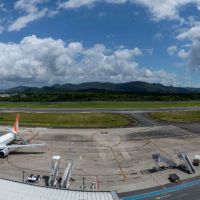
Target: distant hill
(130, 87)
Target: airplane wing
(23, 145)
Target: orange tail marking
(16, 125)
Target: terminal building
(20, 191)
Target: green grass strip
(180, 116)
(102, 105)
(70, 120)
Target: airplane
(6, 140)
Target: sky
(46, 42)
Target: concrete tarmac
(114, 159)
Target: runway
(82, 110)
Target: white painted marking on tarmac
(162, 197)
(125, 154)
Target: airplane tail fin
(15, 128)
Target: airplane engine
(4, 153)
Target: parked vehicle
(174, 178)
(33, 179)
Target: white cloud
(190, 52)
(172, 50)
(72, 4)
(148, 73)
(161, 10)
(158, 36)
(127, 53)
(31, 13)
(191, 33)
(57, 62)
(27, 11)
(2, 7)
(168, 9)
(148, 51)
(194, 56)
(183, 54)
(22, 22)
(163, 77)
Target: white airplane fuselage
(5, 140)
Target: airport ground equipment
(159, 159)
(67, 176)
(46, 180)
(54, 177)
(83, 187)
(196, 162)
(93, 187)
(186, 163)
(174, 178)
(33, 179)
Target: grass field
(71, 120)
(102, 105)
(180, 116)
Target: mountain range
(129, 87)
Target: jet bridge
(186, 163)
(159, 159)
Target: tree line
(96, 96)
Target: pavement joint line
(118, 164)
(163, 191)
(33, 136)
